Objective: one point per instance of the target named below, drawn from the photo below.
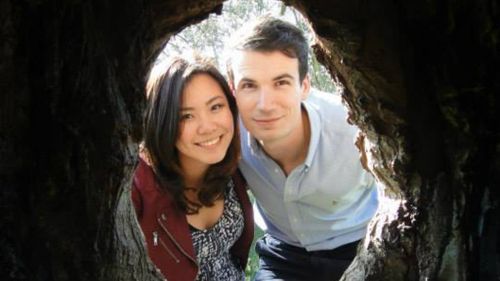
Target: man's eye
(282, 82)
(247, 86)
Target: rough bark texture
(420, 79)
(72, 76)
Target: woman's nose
(207, 125)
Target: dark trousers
(281, 261)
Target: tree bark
(420, 80)
(72, 98)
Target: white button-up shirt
(325, 202)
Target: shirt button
(276, 170)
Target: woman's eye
(218, 106)
(187, 116)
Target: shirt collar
(315, 125)
(250, 142)
(255, 147)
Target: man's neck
(290, 152)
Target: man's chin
(268, 136)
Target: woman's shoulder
(146, 182)
(147, 190)
(144, 176)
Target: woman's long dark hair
(165, 86)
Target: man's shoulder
(317, 96)
(330, 110)
(327, 104)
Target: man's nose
(265, 101)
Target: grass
(253, 258)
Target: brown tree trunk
(71, 110)
(72, 76)
(421, 81)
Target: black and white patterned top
(212, 245)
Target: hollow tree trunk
(72, 76)
(420, 80)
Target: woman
(190, 200)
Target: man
(299, 158)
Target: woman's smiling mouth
(210, 142)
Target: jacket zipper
(155, 238)
(178, 246)
(155, 243)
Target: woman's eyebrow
(207, 103)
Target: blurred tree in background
(210, 36)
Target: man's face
(269, 93)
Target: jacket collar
(171, 220)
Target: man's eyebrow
(279, 77)
(207, 103)
(284, 75)
(245, 79)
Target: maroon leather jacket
(166, 230)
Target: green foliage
(253, 258)
(210, 36)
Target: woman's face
(206, 124)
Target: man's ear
(305, 87)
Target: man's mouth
(266, 120)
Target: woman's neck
(193, 176)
